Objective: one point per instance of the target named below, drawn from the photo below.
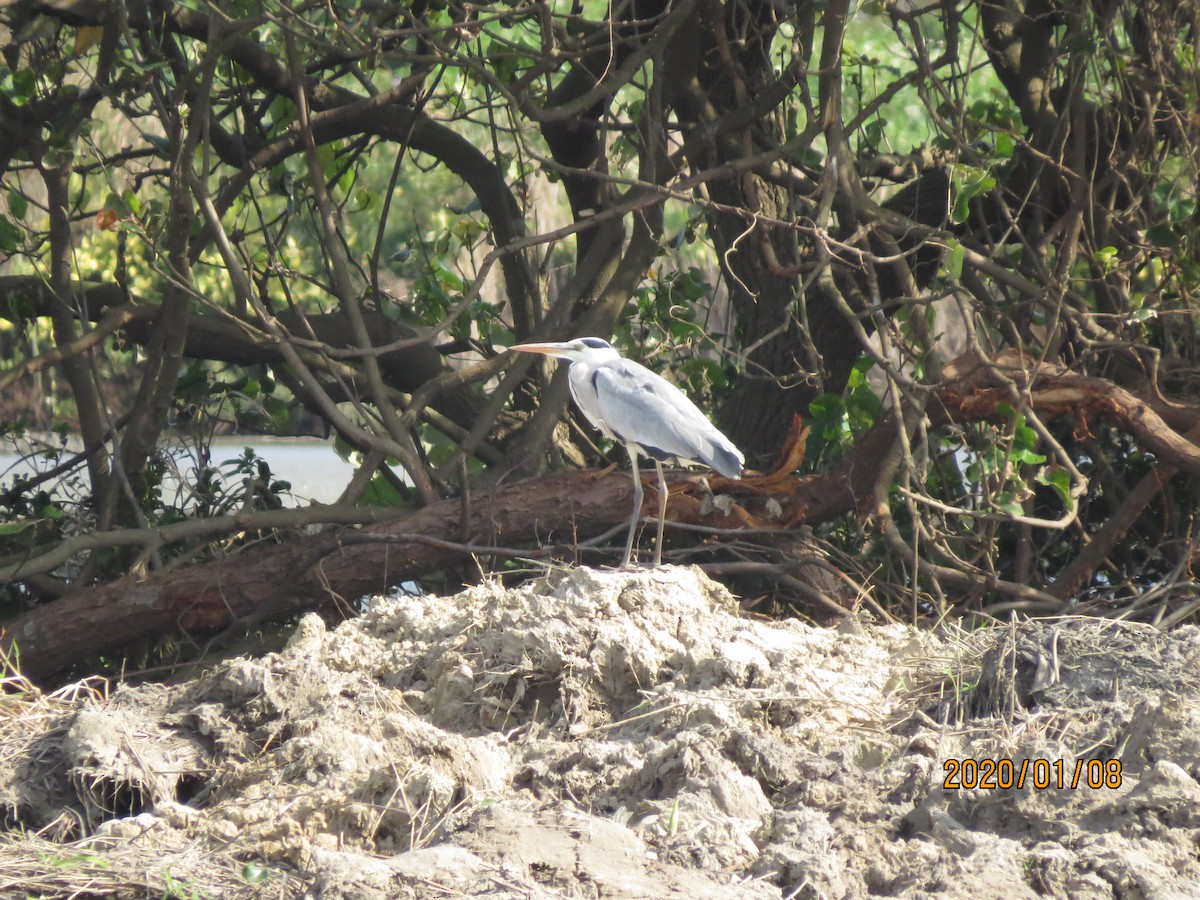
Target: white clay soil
(620, 735)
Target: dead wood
(327, 571)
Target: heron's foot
(638, 566)
(633, 564)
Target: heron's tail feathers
(726, 459)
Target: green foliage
(668, 326)
(996, 466)
(967, 183)
(839, 420)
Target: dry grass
(159, 864)
(1061, 678)
(55, 861)
(32, 724)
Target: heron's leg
(637, 506)
(662, 513)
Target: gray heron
(649, 415)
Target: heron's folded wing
(644, 409)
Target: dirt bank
(616, 734)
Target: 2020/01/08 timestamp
(1040, 774)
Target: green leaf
(829, 418)
(968, 182)
(87, 36)
(693, 285)
(827, 406)
(954, 259)
(865, 364)
(1010, 506)
(1182, 209)
(380, 492)
(467, 229)
(1024, 457)
(1059, 479)
(327, 159)
(10, 236)
(1163, 235)
(447, 278)
(363, 199)
(962, 209)
(1107, 257)
(682, 330)
(17, 204)
(19, 86)
(282, 112)
(1024, 436)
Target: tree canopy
(931, 266)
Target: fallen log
(328, 570)
(332, 568)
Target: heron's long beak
(558, 350)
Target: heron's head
(588, 349)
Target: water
(312, 466)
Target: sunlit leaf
(86, 37)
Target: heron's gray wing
(644, 409)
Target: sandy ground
(621, 735)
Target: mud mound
(617, 734)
